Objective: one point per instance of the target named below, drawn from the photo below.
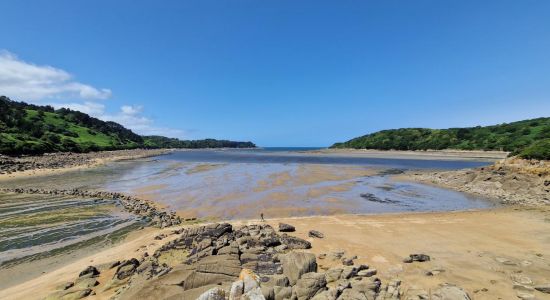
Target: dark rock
(90, 271)
(316, 234)
(126, 269)
(283, 227)
(294, 242)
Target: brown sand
(464, 244)
(429, 154)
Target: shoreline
(466, 245)
(427, 154)
(61, 162)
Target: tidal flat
(40, 232)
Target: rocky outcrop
(10, 164)
(143, 208)
(297, 263)
(511, 181)
(450, 292)
(252, 262)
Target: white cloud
(92, 108)
(130, 116)
(25, 81)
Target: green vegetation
(528, 139)
(155, 141)
(33, 129)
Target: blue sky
(280, 73)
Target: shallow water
(32, 225)
(229, 184)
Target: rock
(450, 292)
(347, 261)
(544, 288)
(275, 280)
(348, 272)
(309, 285)
(392, 291)
(282, 293)
(114, 264)
(67, 285)
(126, 269)
(69, 295)
(521, 279)
(254, 294)
(283, 227)
(367, 273)
(525, 295)
(237, 290)
(505, 261)
(333, 274)
(415, 293)
(420, 257)
(297, 263)
(249, 279)
(85, 283)
(435, 271)
(336, 255)
(316, 234)
(213, 294)
(293, 242)
(408, 260)
(268, 292)
(90, 271)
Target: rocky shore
(512, 181)
(65, 160)
(146, 209)
(252, 262)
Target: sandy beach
(477, 250)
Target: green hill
(528, 139)
(33, 129)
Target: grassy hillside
(528, 138)
(32, 129)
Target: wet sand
(467, 245)
(428, 154)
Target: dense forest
(32, 129)
(528, 139)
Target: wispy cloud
(130, 116)
(27, 81)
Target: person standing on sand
(262, 217)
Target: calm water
(292, 155)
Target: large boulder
(297, 263)
(283, 227)
(293, 242)
(450, 292)
(309, 285)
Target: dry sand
(466, 245)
